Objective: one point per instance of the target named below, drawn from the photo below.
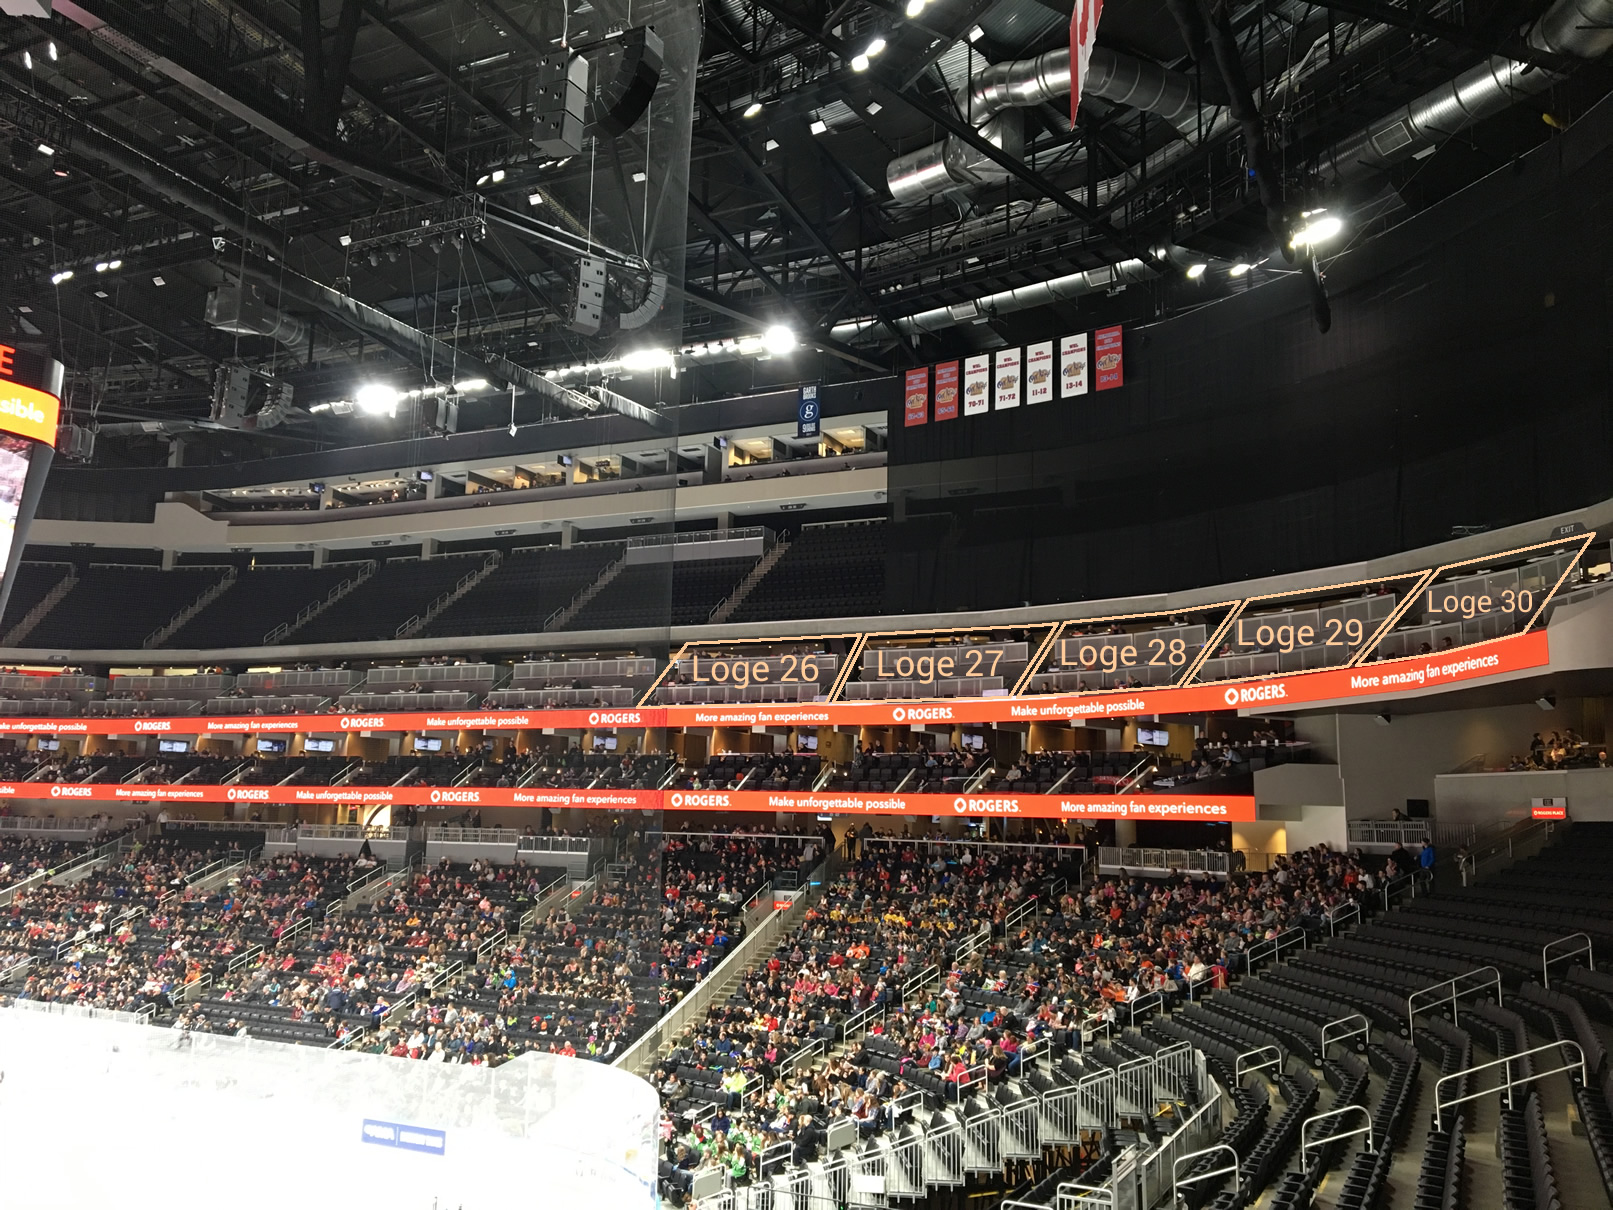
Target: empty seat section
(652, 594)
(120, 606)
(259, 600)
(828, 571)
(399, 589)
(527, 588)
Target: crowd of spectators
(1565, 750)
(1074, 961)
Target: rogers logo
(72, 792)
(470, 796)
(617, 718)
(367, 720)
(986, 806)
(154, 724)
(248, 794)
(1236, 696)
(920, 714)
(682, 799)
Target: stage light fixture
(754, 108)
(50, 49)
(1318, 231)
(57, 279)
(859, 63)
(779, 340)
(640, 360)
(915, 7)
(376, 399)
(46, 149)
(819, 126)
(1196, 271)
(1239, 269)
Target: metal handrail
(1342, 912)
(1177, 1184)
(1269, 1056)
(1151, 1001)
(1545, 963)
(1363, 1030)
(1275, 945)
(1562, 1044)
(1437, 995)
(1306, 1142)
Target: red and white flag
(1083, 32)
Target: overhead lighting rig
(432, 223)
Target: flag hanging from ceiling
(1083, 32)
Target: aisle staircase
(561, 618)
(726, 608)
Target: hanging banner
(1083, 31)
(1073, 365)
(807, 415)
(1111, 372)
(977, 385)
(1008, 380)
(946, 391)
(917, 395)
(1039, 372)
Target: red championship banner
(1106, 354)
(946, 391)
(1384, 679)
(917, 396)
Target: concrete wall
(1383, 766)
(1483, 797)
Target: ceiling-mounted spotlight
(376, 399)
(102, 266)
(915, 7)
(1318, 231)
(858, 63)
(27, 60)
(57, 279)
(46, 149)
(876, 47)
(819, 125)
(1239, 269)
(976, 33)
(1196, 271)
(754, 108)
(483, 179)
(779, 340)
(50, 49)
(498, 176)
(534, 199)
(344, 240)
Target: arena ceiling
(890, 210)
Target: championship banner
(946, 391)
(1073, 366)
(1039, 372)
(917, 394)
(1106, 347)
(977, 385)
(1008, 378)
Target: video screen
(427, 743)
(15, 455)
(1154, 738)
(50, 745)
(807, 743)
(173, 745)
(271, 745)
(318, 745)
(606, 743)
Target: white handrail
(1364, 1029)
(1306, 1142)
(1268, 1056)
(1437, 996)
(1545, 963)
(1341, 913)
(1177, 1184)
(1271, 947)
(1151, 1001)
(1529, 1077)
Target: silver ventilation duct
(242, 310)
(1022, 298)
(1579, 28)
(994, 93)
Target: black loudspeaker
(1416, 808)
(588, 304)
(625, 92)
(561, 102)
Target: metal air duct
(1003, 87)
